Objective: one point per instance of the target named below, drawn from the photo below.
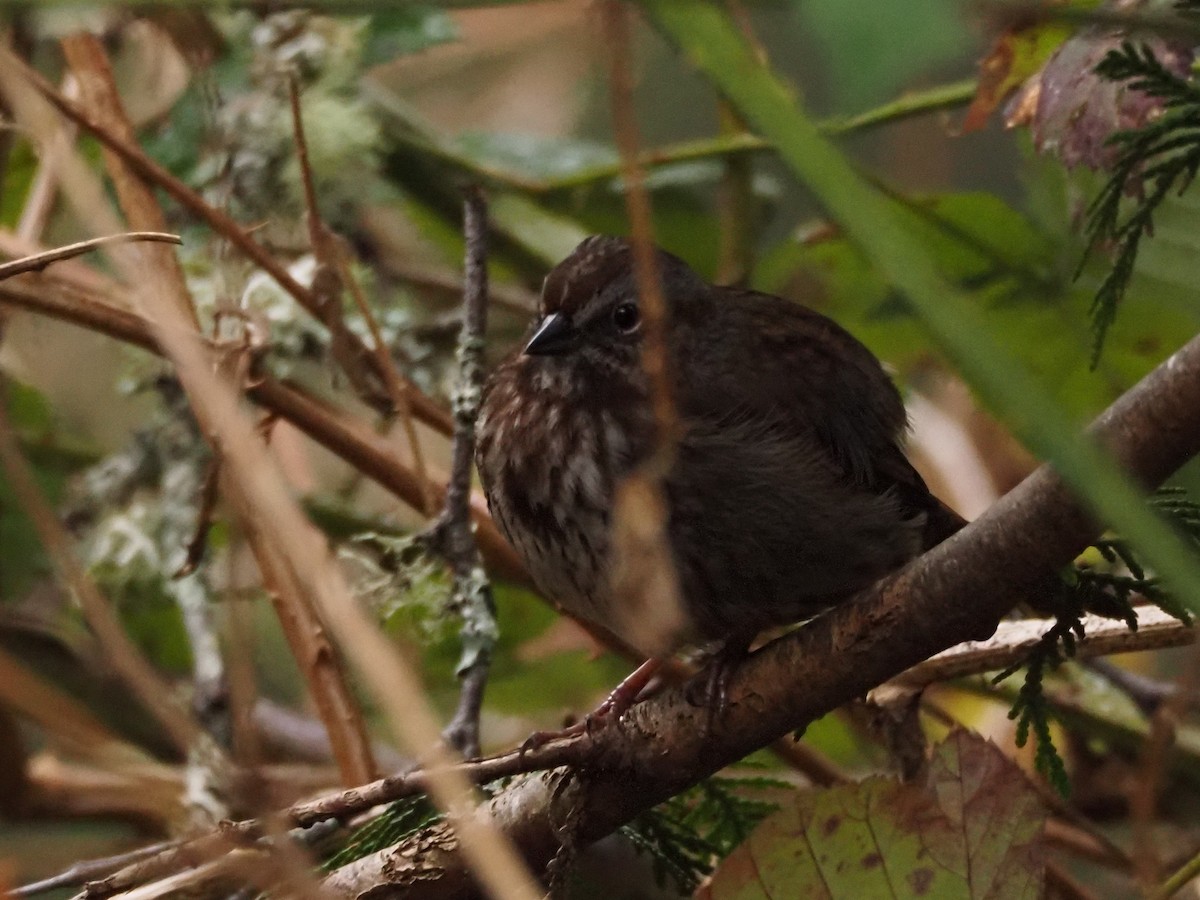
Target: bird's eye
(626, 317)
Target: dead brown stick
(315, 657)
(329, 253)
(349, 439)
(88, 61)
(423, 407)
(38, 261)
(1013, 641)
(643, 565)
(91, 869)
(399, 389)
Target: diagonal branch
(957, 592)
(39, 261)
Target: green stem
(419, 135)
(1178, 880)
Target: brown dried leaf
(972, 830)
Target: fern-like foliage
(1154, 161)
(686, 836)
(1106, 593)
(394, 824)
(1031, 709)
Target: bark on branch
(956, 592)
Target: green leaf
(901, 40)
(23, 560)
(713, 42)
(19, 170)
(1008, 267)
(973, 829)
(546, 235)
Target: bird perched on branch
(788, 489)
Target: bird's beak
(555, 336)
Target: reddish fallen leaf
(1072, 112)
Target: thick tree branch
(956, 592)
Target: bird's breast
(547, 465)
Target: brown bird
(789, 491)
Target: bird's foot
(623, 696)
(710, 686)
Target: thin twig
(331, 259)
(1178, 880)
(91, 869)
(399, 389)
(644, 572)
(43, 191)
(1146, 692)
(325, 291)
(649, 284)
(88, 60)
(452, 535)
(39, 261)
(419, 135)
(121, 652)
(423, 407)
(74, 272)
(1013, 640)
(1151, 769)
(344, 804)
(206, 506)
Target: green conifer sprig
(1108, 593)
(686, 836)
(1153, 161)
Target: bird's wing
(806, 375)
